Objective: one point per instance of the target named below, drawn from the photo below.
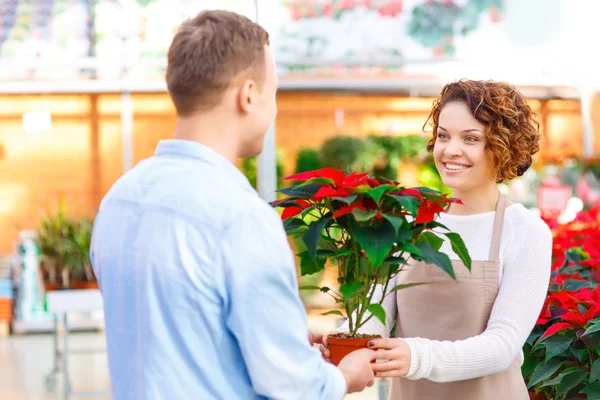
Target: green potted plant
(369, 228)
(64, 244)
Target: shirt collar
(190, 149)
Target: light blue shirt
(199, 284)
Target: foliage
(65, 244)
(307, 160)
(562, 355)
(369, 228)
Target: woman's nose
(452, 149)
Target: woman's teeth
(456, 166)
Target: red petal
(335, 175)
(325, 191)
(412, 192)
(302, 177)
(427, 212)
(303, 203)
(561, 326)
(290, 212)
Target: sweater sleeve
(374, 326)
(523, 288)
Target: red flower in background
(391, 9)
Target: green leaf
(321, 181)
(529, 365)
(555, 345)
(458, 246)
(308, 265)
(592, 390)
(309, 287)
(395, 221)
(435, 257)
(533, 337)
(409, 203)
(425, 190)
(346, 200)
(333, 312)
(377, 311)
(313, 235)
(436, 224)
(377, 192)
(349, 289)
(412, 249)
(361, 215)
(340, 253)
(595, 374)
(434, 240)
(305, 191)
(544, 371)
(324, 289)
(376, 241)
(294, 225)
(594, 328)
(570, 381)
(408, 285)
(554, 382)
(579, 354)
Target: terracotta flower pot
(340, 347)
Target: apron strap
(497, 234)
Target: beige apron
(454, 310)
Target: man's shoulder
(194, 191)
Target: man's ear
(246, 96)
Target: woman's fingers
(387, 344)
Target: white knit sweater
(525, 258)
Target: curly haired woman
(462, 340)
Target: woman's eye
(471, 139)
(442, 136)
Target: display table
(61, 303)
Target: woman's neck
(476, 201)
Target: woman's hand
(396, 352)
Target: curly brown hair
(512, 129)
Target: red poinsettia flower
(561, 326)
(412, 192)
(328, 173)
(290, 212)
(427, 211)
(348, 210)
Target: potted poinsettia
(369, 228)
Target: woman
(462, 340)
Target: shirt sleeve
(266, 315)
(526, 274)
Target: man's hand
(396, 352)
(357, 370)
(324, 348)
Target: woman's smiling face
(459, 149)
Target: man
(198, 281)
